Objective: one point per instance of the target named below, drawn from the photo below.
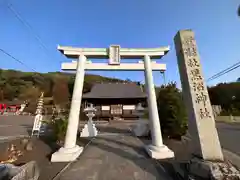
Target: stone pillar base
(213, 169)
(162, 152)
(89, 130)
(141, 129)
(66, 155)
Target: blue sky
(130, 23)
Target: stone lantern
(142, 127)
(89, 129)
(139, 111)
(90, 112)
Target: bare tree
(60, 92)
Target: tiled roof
(115, 90)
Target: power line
(28, 26)
(224, 70)
(19, 61)
(236, 65)
(227, 70)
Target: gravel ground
(41, 153)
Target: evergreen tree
(172, 111)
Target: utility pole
(238, 11)
(164, 78)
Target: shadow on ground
(131, 152)
(167, 164)
(113, 129)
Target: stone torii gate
(71, 151)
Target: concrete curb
(232, 157)
(183, 173)
(228, 155)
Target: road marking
(5, 125)
(113, 134)
(9, 138)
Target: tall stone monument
(201, 123)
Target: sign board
(106, 108)
(37, 123)
(114, 55)
(129, 107)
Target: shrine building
(115, 100)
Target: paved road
(15, 126)
(229, 134)
(20, 125)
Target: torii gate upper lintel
(115, 53)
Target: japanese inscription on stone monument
(201, 98)
(201, 123)
(114, 55)
(195, 77)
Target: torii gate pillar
(71, 151)
(157, 149)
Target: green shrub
(59, 128)
(172, 111)
(233, 111)
(224, 113)
(146, 115)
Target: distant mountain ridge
(15, 84)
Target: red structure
(2, 108)
(11, 106)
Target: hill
(58, 87)
(28, 85)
